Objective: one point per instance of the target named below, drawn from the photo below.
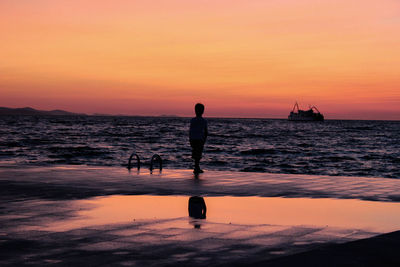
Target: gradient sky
(240, 58)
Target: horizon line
(73, 113)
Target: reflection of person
(197, 135)
(197, 207)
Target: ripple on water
(331, 148)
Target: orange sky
(240, 58)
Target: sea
(333, 147)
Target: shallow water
(149, 230)
(369, 216)
(345, 148)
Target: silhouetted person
(198, 136)
(197, 207)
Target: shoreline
(77, 181)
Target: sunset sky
(250, 58)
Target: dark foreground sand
(42, 221)
(382, 250)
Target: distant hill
(32, 111)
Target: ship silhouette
(312, 114)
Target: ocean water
(333, 147)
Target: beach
(86, 215)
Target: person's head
(199, 109)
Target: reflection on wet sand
(155, 229)
(197, 210)
(345, 213)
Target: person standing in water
(198, 135)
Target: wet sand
(382, 250)
(74, 216)
(74, 182)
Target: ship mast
(294, 108)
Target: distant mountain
(32, 111)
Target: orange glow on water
(342, 213)
(242, 59)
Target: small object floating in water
(305, 115)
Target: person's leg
(200, 154)
(197, 164)
(193, 145)
(197, 150)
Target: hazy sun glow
(241, 58)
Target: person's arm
(206, 132)
(203, 203)
(190, 130)
(204, 207)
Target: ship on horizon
(312, 114)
